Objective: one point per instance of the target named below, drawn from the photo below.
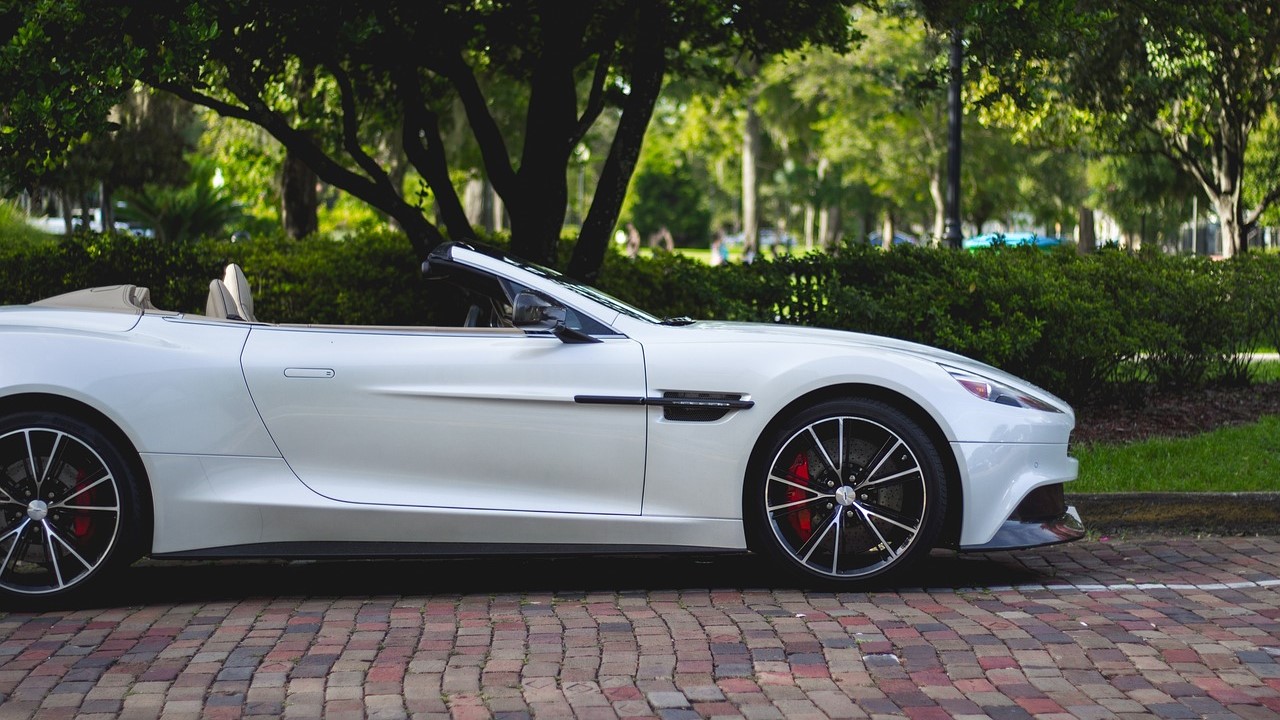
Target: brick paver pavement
(1164, 628)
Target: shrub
(1103, 325)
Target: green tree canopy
(366, 67)
(1192, 80)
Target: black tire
(845, 492)
(71, 509)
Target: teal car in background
(1017, 239)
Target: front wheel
(846, 491)
(69, 508)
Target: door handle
(309, 373)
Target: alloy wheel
(846, 497)
(59, 510)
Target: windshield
(567, 283)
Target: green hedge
(1081, 326)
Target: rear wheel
(847, 491)
(69, 508)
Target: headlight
(995, 392)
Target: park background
(327, 148)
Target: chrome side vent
(684, 406)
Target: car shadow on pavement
(152, 582)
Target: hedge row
(1081, 326)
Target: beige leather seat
(220, 305)
(238, 286)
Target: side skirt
(373, 550)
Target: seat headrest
(220, 305)
(238, 285)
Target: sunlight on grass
(1265, 372)
(1237, 459)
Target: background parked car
(899, 238)
(978, 242)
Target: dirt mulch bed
(1180, 513)
(1176, 414)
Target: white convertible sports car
(538, 416)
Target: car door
(482, 418)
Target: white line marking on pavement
(1118, 587)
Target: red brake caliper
(801, 520)
(83, 522)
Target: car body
(538, 416)
(1014, 239)
(899, 238)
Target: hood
(763, 332)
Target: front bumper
(1018, 534)
(1011, 490)
(1041, 518)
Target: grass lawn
(1245, 458)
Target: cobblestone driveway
(1168, 628)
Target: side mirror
(532, 309)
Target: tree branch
(422, 234)
(350, 132)
(1267, 201)
(223, 108)
(595, 98)
(646, 84)
(493, 148)
(1178, 150)
(421, 124)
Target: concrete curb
(1254, 513)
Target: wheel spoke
(889, 516)
(33, 467)
(16, 533)
(881, 457)
(806, 550)
(866, 521)
(817, 495)
(797, 503)
(53, 554)
(898, 476)
(835, 551)
(54, 460)
(54, 536)
(92, 508)
(17, 538)
(63, 502)
(823, 449)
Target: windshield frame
(561, 280)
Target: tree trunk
(106, 208)
(751, 140)
(1231, 224)
(810, 221)
(1088, 241)
(86, 215)
(64, 203)
(473, 199)
(299, 202)
(611, 188)
(886, 231)
(939, 207)
(828, 212)
(497, 210)
(830, 226)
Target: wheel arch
(950, 535)
(49, 402)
